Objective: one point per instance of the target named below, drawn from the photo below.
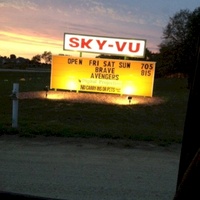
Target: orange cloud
(28, 45)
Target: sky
(30, 27)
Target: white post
(15, 105)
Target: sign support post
(14, 96)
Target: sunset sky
(30, 27)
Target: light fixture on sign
(46, 89)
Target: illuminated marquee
(95, 44)
(102, 75)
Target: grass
(161, 123)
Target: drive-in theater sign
(94, 44)
(103, 75)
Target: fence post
(14, 96)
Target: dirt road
(88, 169)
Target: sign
(102, 75)
(95, 44)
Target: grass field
(161, 122)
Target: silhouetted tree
(172, 48)
(193, 43)
(36, 58)
(47, 57)
(178, 49)
(13, 56)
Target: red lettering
(101, 44)
(74, 42)
(85, 43)
(120, 48)
(131, 47)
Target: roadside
(83, 168)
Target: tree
(12, 61)
(178, 49)
(13, 56)
(176, 30)
(36, 58)
(47, 57)
(193, 43)
(172, 48)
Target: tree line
(37, 61)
